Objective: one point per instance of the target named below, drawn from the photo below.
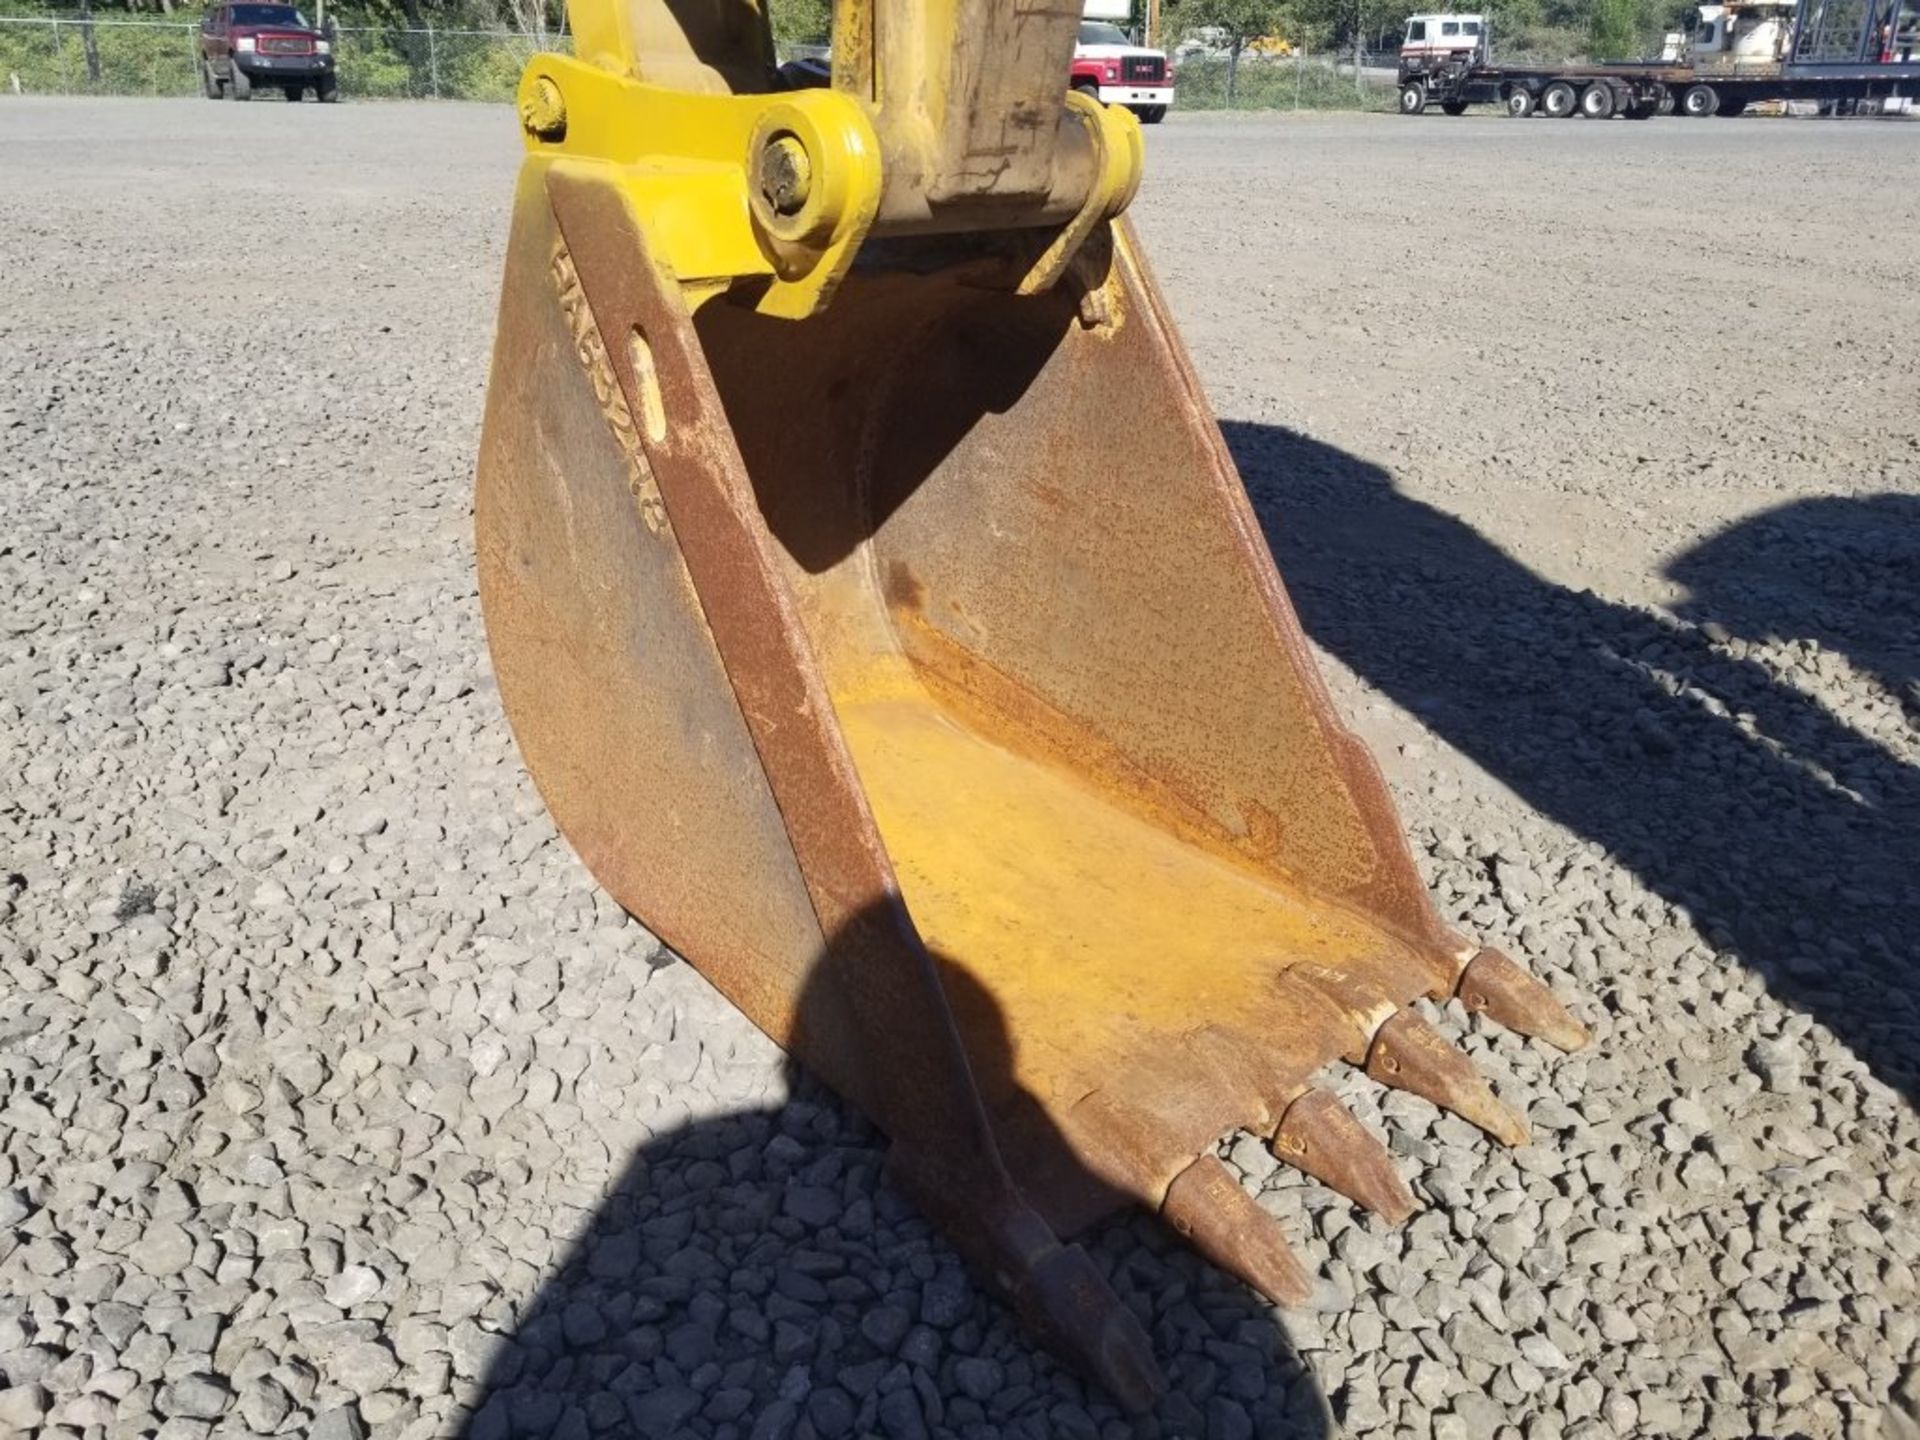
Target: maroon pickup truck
(248, 47)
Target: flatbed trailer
(1641, 91)
(1838, 53)
(1596, 91)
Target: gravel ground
(335, 1102)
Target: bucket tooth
(1496, 987)
(1207, 1206)
(1067, 1304)
(1409, 1054)
(1320, 1136)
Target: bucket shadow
(1840, 570)
(1787, 833)
(758, 1276)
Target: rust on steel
(1319, 1136)
(1207, 1206)
(984, 768)
(871, 976)
(1492, 985)
(981, 762)
(1409, 1054)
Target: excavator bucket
(882, 619)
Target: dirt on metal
(980, 761)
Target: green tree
(801, 22)
(1359, 25)
(1616, 29)
(1238, 23)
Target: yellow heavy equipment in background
(980, 760)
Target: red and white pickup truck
(1116, 71)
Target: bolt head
(786, 175)
(543, 112)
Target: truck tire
(1596, 101)
(1519, 102)
(1558, 100)
(1453, 107)
(1664, 105)
(1413, 98)
(239, 87)
(1730, 108)
(1151, 114)
(1699, 101)
(209, 82)
(328, 90)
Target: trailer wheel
(1596, 101)
(1558, 100)
(1699, 101)
(1413, 98)
(1454, 107)
(1519, 102)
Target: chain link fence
(1284, 82)
(436, 64)
(71, 56)
(68, 55)
(57, 56)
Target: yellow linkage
(685, 164)
(729, 184)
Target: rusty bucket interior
(1107, 776)
(918, 670)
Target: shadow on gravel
(1841, 570)
(1788, 834)
(756, 1277)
